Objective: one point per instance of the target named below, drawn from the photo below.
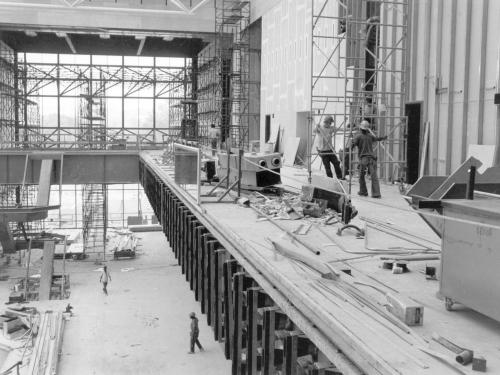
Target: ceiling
(170, 28)
(104, 42)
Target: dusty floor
(142, 326)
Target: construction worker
(367, 158)
(195, 332)
(104, 279)
(325, 147)
(213, 136)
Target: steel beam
(80, 167)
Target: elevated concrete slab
(79, 167)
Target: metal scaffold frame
(155, 82)
(19, 122)
(92, 135)
(232, 88)
(358, 72)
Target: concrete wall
(455, 66)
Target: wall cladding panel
(436, 111)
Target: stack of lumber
(45, 356)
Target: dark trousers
(213, 145)
(328, 157)
(104, 287)
(367, 163)
(194, 340)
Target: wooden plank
(43, 196)
(198, 273)
(290, 347)
(252, 343)
(268, 338)
(218, 296)
(191, 253)
(236, 344)
(202, 237)
(230, 267)
(211, 245)
(47, 270)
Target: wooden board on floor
(47, 270)
(291, 148)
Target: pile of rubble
(293, 207)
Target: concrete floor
(142, 326)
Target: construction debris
(463, 356)
(293, 207)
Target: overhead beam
(80, 167)
(141, 45)
(124, 15)
(199, 5)
(70, 43)
(68, 40)
(65, 5)
(180, 5)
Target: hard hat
(364, 125)
(328, 119)
(192, 315)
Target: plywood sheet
(291, 148)
(484, 153)
(47, 270)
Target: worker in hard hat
(195, 332)
(325, 148)
(367, 158)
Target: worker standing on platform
(367, 159)
(325, 147)
(213, 136)
(195, 332)
(104, 279)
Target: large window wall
(138, 92)
(125, 202)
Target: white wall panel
(492, 50)
(437, 59)
(286, 68)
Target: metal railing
(56, 138)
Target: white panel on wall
(459, 77)
(437, 110)
(474, 74)
(492, 66)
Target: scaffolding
(93, 136)
(19, 118)
(358, 60)
(183, 105)
(19, 114)
(232, 55)
(63, 81)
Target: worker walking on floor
(104, 279)
(367, 159)
(325, 147)
(195, 332)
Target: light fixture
(168, 38)
(104, 36)
(30, 33)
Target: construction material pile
(293, 207)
